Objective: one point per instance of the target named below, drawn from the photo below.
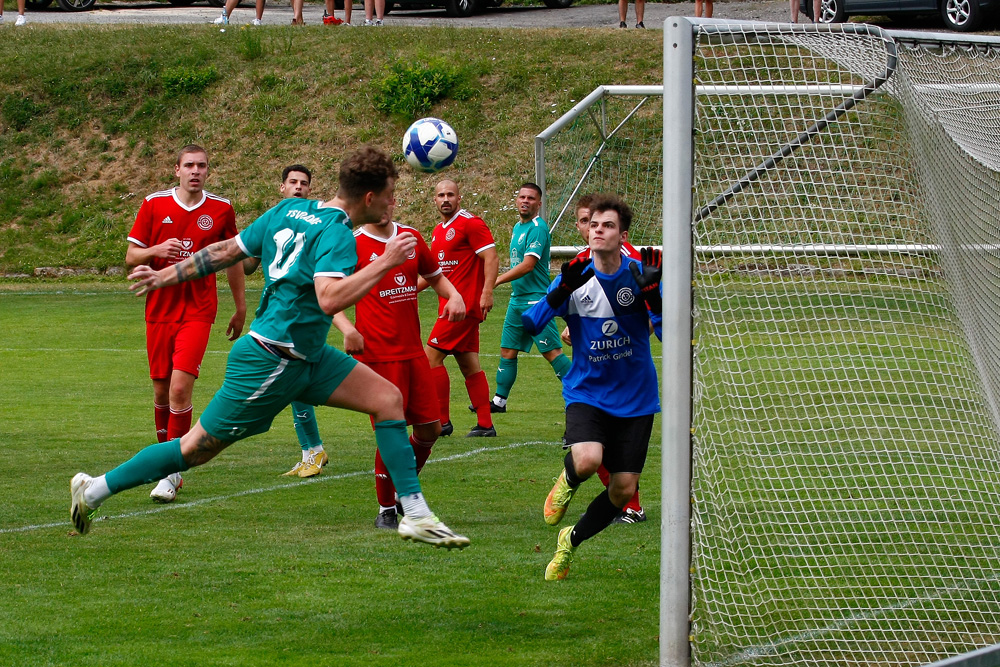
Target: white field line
(319, 479)
(772, 648)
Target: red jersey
(387, 317)
(161, 217)
(628, 250)
(456, 245)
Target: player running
(296, 181)
(386, 337)
(308, 257)
(529, 278)
(464, 247)
(611, 390)
(173, 225)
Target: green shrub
(188, 80)
(410, 89)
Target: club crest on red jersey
(186, 244)
(205, 222)
(449, 235)
(411, 255)
(440, 255)
(400, 279)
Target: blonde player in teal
(529, 278)
(308, 257)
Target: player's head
(367, 181)
(447, 198)
(296, 181)
(583, 215)
(192, 168)
(610, 219)
(529, 201)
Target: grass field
(247, 568)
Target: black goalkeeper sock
(572, 478)
(598, 516)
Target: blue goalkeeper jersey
(609, 324)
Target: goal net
(845, 229)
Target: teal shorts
(514, 337)
(259, 385)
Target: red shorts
(413, 379)
(455, 337)
(176, 346)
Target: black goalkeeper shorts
(625, 439)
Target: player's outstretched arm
(337, 294)
(250, 264)
(136, 254)
(354, 342)
(454, 308)
(203, 263)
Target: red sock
(442, 384)
(384, 490)
(180, 422)
(605, 476)
(421, 451)
(479, 393)
(633, 504)
(161, 416)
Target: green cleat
(79, 511)
(558, 567)
(429, 529)
(558, 500)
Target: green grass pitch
(247, 568)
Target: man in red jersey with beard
(464, 247)
(386, 338)
(171, 226)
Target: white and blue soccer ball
(430, 145)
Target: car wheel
(460, 8)
(37, 4)
(961, 15)
(831, 11)
(558, 4)
(76, 5)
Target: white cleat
(81, 513)
(430, 530)
(166, 490)
(20, 20)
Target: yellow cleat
(294, 472)
(558, 500)
(558, 567)
(313, 465)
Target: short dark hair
(365, 170)
(190, 148)
(584, 202)
(610, 202)
(296, 167)
(533, 186)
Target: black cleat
(482, 432)
(387, 519)
(494, 408)
(447, 428)
(631, 516)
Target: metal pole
(678, 156)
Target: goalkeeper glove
(575, 273)
(648, 278)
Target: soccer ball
(430, 145)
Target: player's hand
(146, 279)
(168, 250)
(236, 323)
(575, 274)
(354, 342)
(648, 278)
(565, 337)
(486, 302)
(399, 248)
(454, 309)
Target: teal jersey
(297, 241)
(531, 238)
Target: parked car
(84, 5)
(960, 15)
(460, 8)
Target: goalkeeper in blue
(611, 389)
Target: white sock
(414, 506)
(96, 492)
(317, 448)
(499, 402)
(305, 455)
(386, 509)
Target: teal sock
(561, 366)
(306, 428)
(150, 464)
(397, 455)
(506, 374)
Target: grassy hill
(91, 118)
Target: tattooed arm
(203, 263)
